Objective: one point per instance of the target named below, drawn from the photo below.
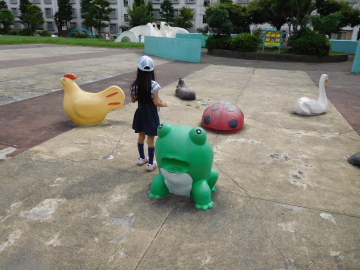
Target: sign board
(273, 38)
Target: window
(50, 26)
(35, 1)
(174, 1)
(17, 25)
(113, 1)
(156, 1)
(157, 14)
(190, 1)
(206, 3)
(73, 14)
(13, 2)
(126, 3)
(113, 14)
(72, 2)
(15, 11)
(47, 1)
(72, 25)
(126, 17)
(48, 12)
(204, 19)
(113, 28)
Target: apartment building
(118, 18)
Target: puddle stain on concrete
(54, 240)
(290, 226)
(124, 222)
(328, 217)
(44, 210)
(275, 156)
(291, 207)
(13, 237)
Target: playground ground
(73, 198)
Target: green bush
(14, 32)
(219, 42)
(25, 32)
(309, 42)
(45, 33)
(80, 35)
(245, 42)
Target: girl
(145, 90)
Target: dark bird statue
(354, 159)
(183, 92)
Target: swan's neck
(322, 94)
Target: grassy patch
(101, 42)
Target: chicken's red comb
(71, 76)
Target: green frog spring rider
(185, 159)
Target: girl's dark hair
(142, 85)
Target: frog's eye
(198, 135)
(164, 129)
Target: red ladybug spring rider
(223, 117)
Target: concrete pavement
(73, 197)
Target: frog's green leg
(158, 187)
(213, 177)
(201, 194)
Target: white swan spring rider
(307, 106)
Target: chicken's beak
(327, 81)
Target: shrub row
(27, 32)
(303, 42)
(244, 42)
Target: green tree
(218, 20)
(327, 24)
(86, 15)
(238, 17)
(184, 19)
(348, 15)
(167, 12)
(3, 5)
(295, 13)
(265, 11)
(100, 10)
(23, 11)
(140, 13)
(6, 19)
(96, 13)
(34, 17)
(64, 14)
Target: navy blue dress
(146, 117)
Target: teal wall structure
(198, 36)
(345, 46)
(356, 65)
(182, 49)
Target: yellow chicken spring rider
(86, 108)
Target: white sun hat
(145, 63)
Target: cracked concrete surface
(286, 197)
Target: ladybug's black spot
(207, 120)
(233, 123)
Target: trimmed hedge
(216, 42)
(245, 42)
(309, 42)
(45, 33)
